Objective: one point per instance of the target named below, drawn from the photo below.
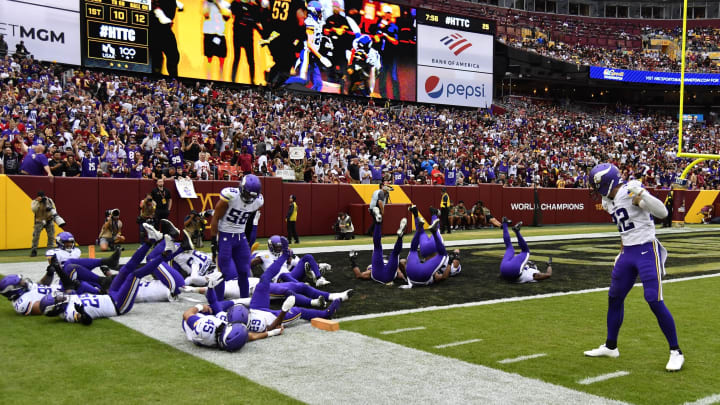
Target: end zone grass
(565, 326)
(45, 360)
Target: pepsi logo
(433, 87)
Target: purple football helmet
(238, 314)
(53, 304)
(11, 286)
(250, 188)
(275, 245)
(234, 337)
(604, 177)
(65, 241)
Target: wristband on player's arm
(274, 332)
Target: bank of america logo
(456, 43)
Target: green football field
(50, 361)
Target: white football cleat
(288, 303)
(377, 214)
(603, 351)
(343, 296)
(319, 302)
(401, 229)
(170, 244)
(321, 282)
(325, 268)
(676, 361)
(152, 233)
(434, 226)
(310, 274)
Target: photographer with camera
(111, 231)
(344, 229)
(195, 225)
(147, 214)
(45, 218)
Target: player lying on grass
(26, 294)
(123, 290)
(222, 324)
(261, 316)
(381, 270)
(519, 268)
(295, 269)
(68, 256)
(642, 255)
(428, 261)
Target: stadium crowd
(101, 124)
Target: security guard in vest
(291, 218)
(444, 211)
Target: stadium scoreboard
(450, 21)
(454, 59)
(115, 34)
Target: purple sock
(615, 314)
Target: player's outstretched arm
(262, 335)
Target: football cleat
(517, 226)
(332, 309)
(325, 268)
(169, 227)
(401, 229)
(603, 351)
(170, 247)
(319, 302)
(186, 242)
(310, 274)
(434, 212)
(376, 214)
(413, 209)
(506, 220)
(288, 304)
(434, 226)
(342, 296)
(321, 282)
(153, 234)
(676, 361)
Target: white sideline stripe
(390, 332)
(603, 377)
(522, 358)
(464, 342)
(504, 300)
(712, 399)
(499, 241)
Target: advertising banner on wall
(48, 29)
(642, 76)
(454, 87)
(454, 49)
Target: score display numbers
(115, 34)
(450, 21)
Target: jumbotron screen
(355, 47)
(455, 60)
(116, 34)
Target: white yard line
(499, 241)
(603, 377)
(464, 342)
(712, 399)
(504, 300)
(522, 358)
(392, 332)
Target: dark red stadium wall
(82, 203)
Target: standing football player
(642, 255)
(247, 19)
(164, 47)
(216, 14)
(233, 217)
(307, 67)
